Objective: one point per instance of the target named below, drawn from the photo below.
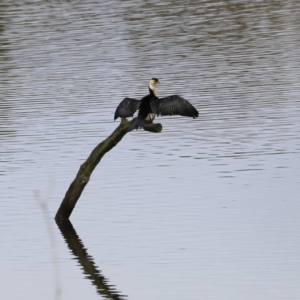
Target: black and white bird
(151, 106)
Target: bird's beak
(157, 82)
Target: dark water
(207, 209)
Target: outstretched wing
(127, 108)
(174, 105)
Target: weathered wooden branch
(86, 169)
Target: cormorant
(151, 105)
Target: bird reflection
(87, 262)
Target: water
(207, 209)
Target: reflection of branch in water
(47, 217)
(86, 261)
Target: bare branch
(86, 169)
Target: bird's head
(152, 83)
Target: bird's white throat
(152, 85)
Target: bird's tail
(136, 124)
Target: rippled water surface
(206, 209)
